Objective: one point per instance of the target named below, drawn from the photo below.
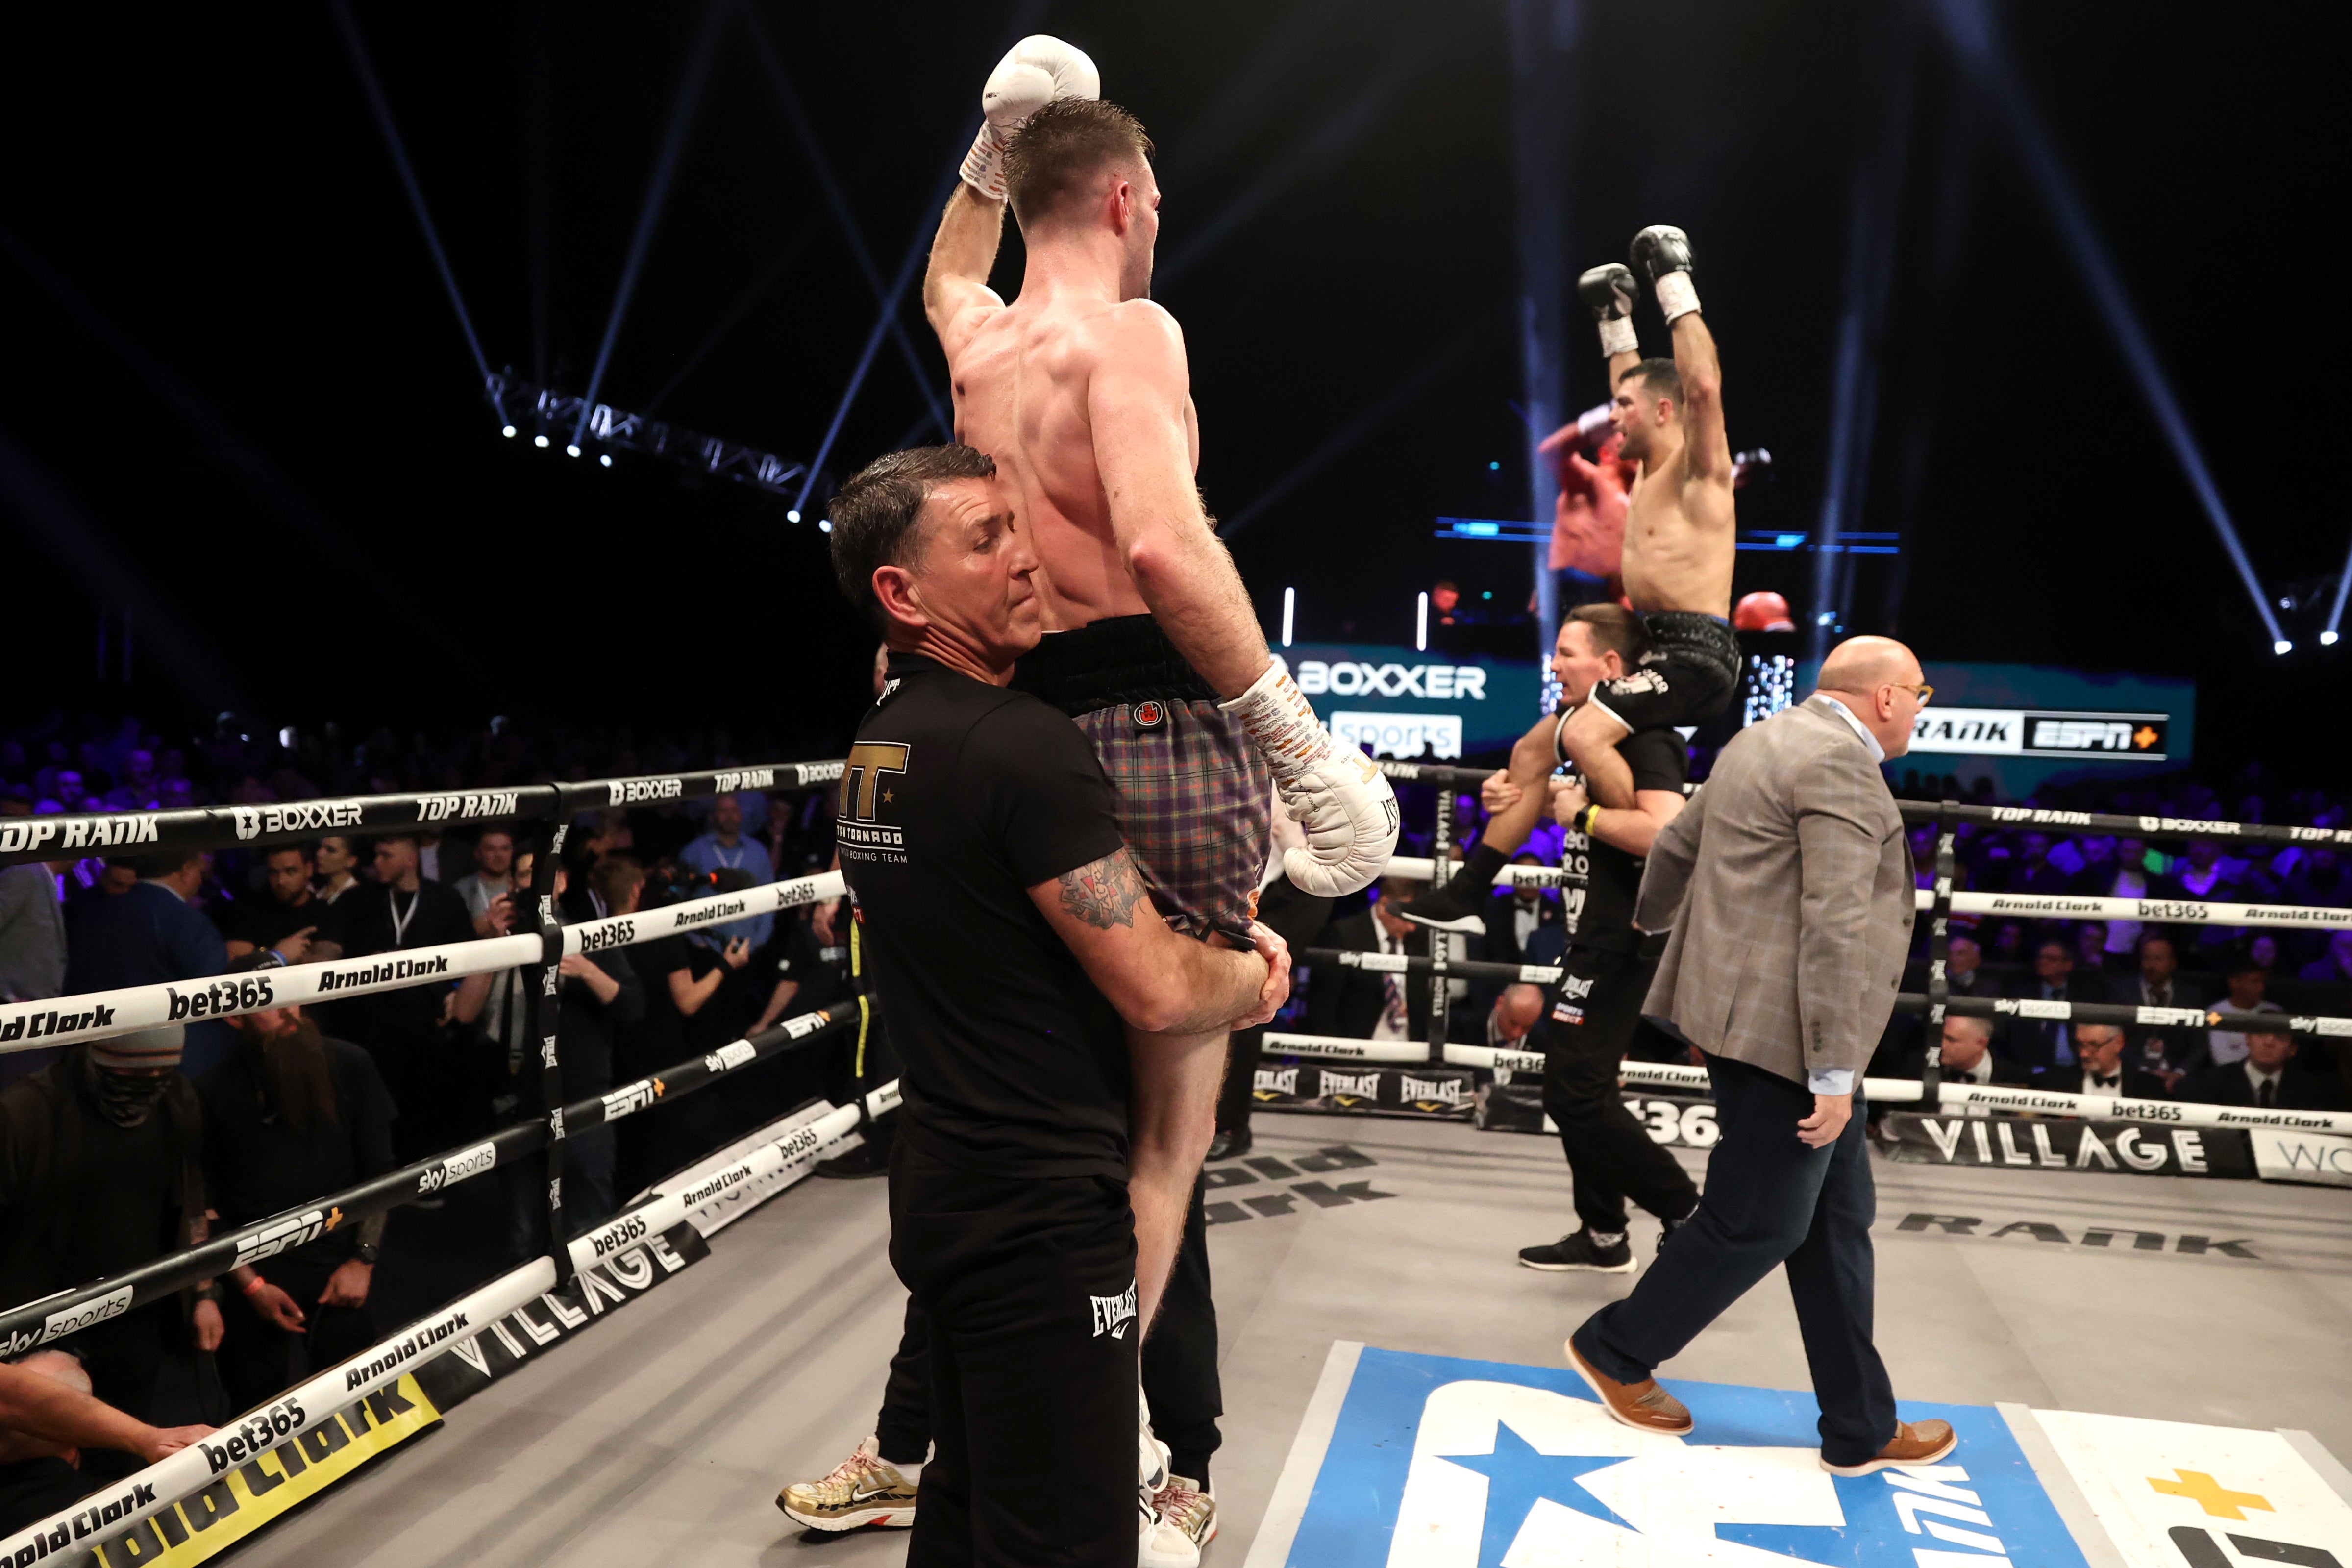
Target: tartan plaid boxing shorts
(1195, 798)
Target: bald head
(1878, 679)
(1516, 1012)
(1861, 665)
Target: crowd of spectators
(2261, 969)
(119, 1150)
(114, 1152)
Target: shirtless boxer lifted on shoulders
(1080, 391)
(1678, 552)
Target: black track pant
(1612, 1159)
(1028, 1288)
(1180, 1368)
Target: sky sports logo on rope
(2026, 732)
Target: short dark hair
(874, 515)
(1614, 629)
(1662, 378)
(2246, 965)
(1059, 147)
(612, 876)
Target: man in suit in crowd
(1787, 886)
(2166, 1051)
(2038, 1045)
(1363, 1005)
(2100, 1067)
(2267, 1080)
(1964, 975)
(1966, 1055)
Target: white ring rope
(62, 1020)
(2042, 906)
(299, 1409)
(1883, 1090)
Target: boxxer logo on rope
(1114, 1314)
(295, 816)
(631, 792)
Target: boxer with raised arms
(1680, 539)
(1080, 391)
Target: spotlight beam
(391, 141)
(788, 99)
(1335, 138)
(681, 125)
(1874, 208)
(1390, 404)
(2335, 616)
(1968, 25)
(1025, 17)
(37, 501)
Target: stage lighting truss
(523, 408)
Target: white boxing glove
(1334, 792)
(1038, 70)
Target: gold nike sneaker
(864, 1489)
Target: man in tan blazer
(1787, 886)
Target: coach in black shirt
(1009, 933)
(1607, 972)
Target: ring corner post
(1939, 950)
(541, 1002)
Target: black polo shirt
(1613, 877)
(958, 797)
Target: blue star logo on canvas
(1518, 1478)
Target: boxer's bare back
(1030, 379)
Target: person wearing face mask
(99, 1172)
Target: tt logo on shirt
(1114, 1314)
(868, 760)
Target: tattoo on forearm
(1104, 893)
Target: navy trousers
(1770, 1200)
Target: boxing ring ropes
(1940, 902)
(541, 815)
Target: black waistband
(1687, 627)
(1126, 658)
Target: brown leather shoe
(1919, 1442)
(1643, 1405)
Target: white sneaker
(1185, 1509)
(864, 1489)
